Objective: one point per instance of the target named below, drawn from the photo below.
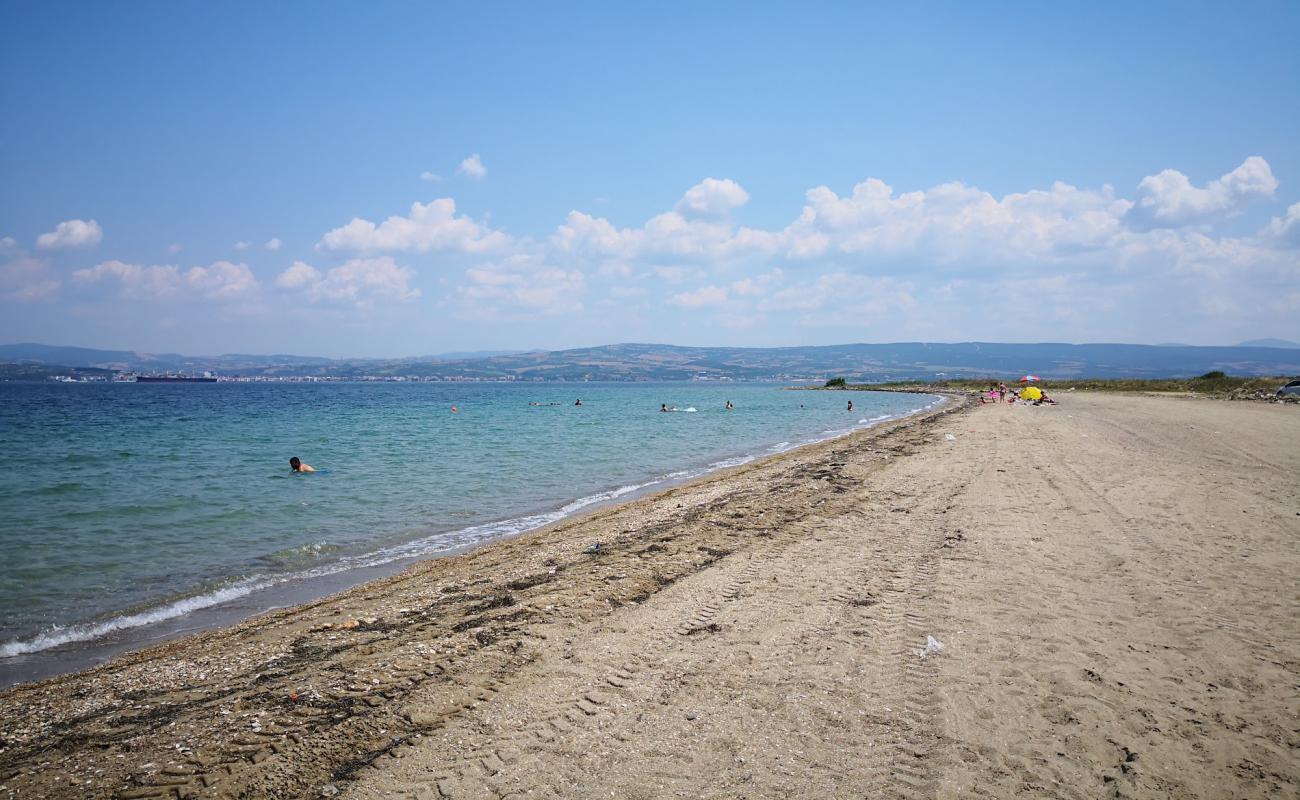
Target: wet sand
(1113, 581)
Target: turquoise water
(126, 504)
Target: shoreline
(982, 600)
(285, 592)
(438, 623)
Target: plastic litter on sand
(932, 646)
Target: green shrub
(836, 383)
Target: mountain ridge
(638, 361)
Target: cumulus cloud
(430, 177)
(703, 297)
(954, 223)
(842, 295)
(359, 280)
(430, 227)
(712, 197)
(696, 231)
(758, 284)
(521, 287)
(74, 233)
(7, 243)
(1169, 198)
(472, 168)
(949, 226)
(221, 280)
(242, 245)
(273, 244)
(26, 279)
(1286, 228)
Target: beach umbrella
(1031, 393)
(1029, 378)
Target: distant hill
(1283, 343)
(655, 362)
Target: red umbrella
(1029, 378)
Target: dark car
(1291, 388)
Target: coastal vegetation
(1213, 384)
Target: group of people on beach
(999, 393)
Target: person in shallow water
(296, 465)
(578, 402)
(850, 405)
(729, 405)
(663, 407)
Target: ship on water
(207, 377)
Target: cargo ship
(207, 377)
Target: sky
(395, 179)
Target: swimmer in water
(578, 402)
(729, 405)
(296, 465)
(850, 405)
(663, 407)
(455, 410)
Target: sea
(131, 513)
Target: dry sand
(1113, 581)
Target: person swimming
(663, 407)
(296, 465)
(578, 402)
(729, 405)
(850, 405)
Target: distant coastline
(922, 362)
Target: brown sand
(1113, 580)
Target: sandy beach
(1097, 599)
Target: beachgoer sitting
(296, 465)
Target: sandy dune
(1113, 582)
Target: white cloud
(703, 297)
(431, 177)
(757, 285)
(1170, 199)
(25, 279)
(273, 244)
(242, 245)
(954, 223)
(299, 275)
(359, 280)
(70, 234)
(222, 280)
(472, 168)
(838, 296)
(521, 287)
(430, 227)
(8, 243)
(676, 274)
(669, 236)
(712, 197)
(1286, 229)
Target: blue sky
(395, 179)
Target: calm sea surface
(122, 505)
